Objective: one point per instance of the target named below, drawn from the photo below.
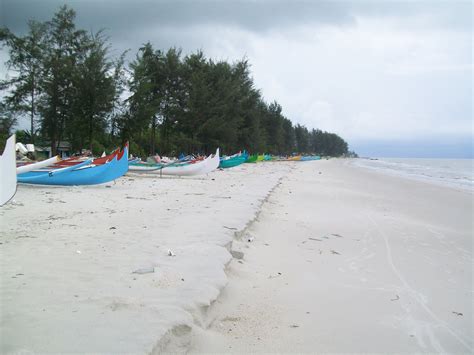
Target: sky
(393, 78)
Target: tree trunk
(90, 133)
(153, 135)
(32, 132)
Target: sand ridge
(87, 269)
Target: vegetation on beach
(72, 90)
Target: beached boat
(84, 173)
(38, 165)
(197, 167)
(8, 172)
(295, 158)
(310, 157)
(252, 159)
(212, 163)
(96, 161)
(260, 158)
(230, 162)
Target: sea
(457, 173)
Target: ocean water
(457, 173)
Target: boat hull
(232, 162)
(8, 176)
(84, 173)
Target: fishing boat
(183, 169)
(252, 159)
(83, 173)
(8, 172)
(295, 158)
(212, 163)
(38, 165)
(310, 157)
(230, 162)
(187, 168)
(97, 161)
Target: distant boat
(252, 159)
(310, 157)
(187, 168)
(232, 161)
(295, 158)
(8, 172)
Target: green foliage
(22, 135)
(7, 122)
(26, 61)
(66, 81)
(97, 148)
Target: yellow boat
(295, 158)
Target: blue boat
(310, 157)
(84, 173)
(233, 160)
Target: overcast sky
(393, 78)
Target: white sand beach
(350, 260)
(341, 259)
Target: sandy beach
(314, 256)
(350, 260)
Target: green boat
(261, 158)
(252, 159)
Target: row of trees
(71, 89)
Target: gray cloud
(363, 69)
(251, 15)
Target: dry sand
(349, 260)
(67, 257)
(342, 260)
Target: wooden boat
(96, 161)
(212, 163)
(196, 167)
(295, 158)
(84, 173)
(310, 157)
(38, 165)
(230, 162)
(8, 172)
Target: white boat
(39, 165)
(212, 163)
(184, 169)
(8, 172)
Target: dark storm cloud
(131, 23)
(129, 15)
(371, 71)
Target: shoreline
(453, 182)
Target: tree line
(71, 89)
